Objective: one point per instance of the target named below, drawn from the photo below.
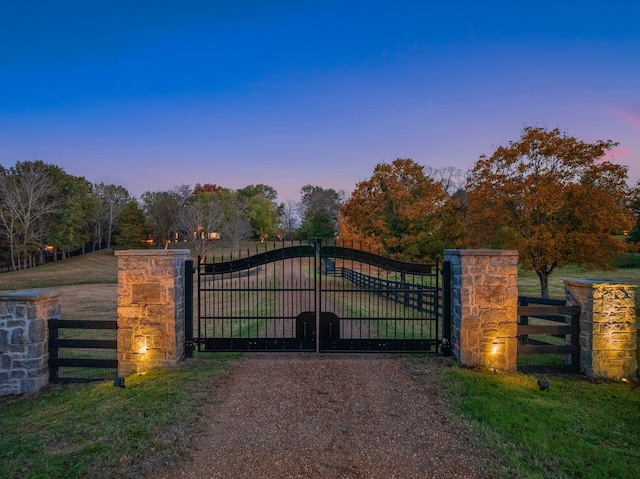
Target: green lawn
(576, 428)
(529, 284)
(99, 430)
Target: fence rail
(548, 336)
(418, 297)
(82, 350)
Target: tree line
(548, 195)
(46, 213)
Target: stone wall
(151, 309)
(24, 336)
(608, 329)
(484, 297)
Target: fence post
(188, 308)
(53, 353)
(446, 308)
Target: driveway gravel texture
(306, 415)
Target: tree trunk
(544, 283)
(109, 229)
(13, 258)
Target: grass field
(98, 430)
(98, 267)
(576, 428)
(627, 272)
(529, 284)
(87, 283)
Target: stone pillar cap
(153, 252)
(29, 294)
(597, 282)
(481, 252)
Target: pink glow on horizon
(616, 153)
(630, 115)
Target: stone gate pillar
(24, 336)
(484, 302)
(608, 329)
(151, 309)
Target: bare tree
(27, 196)
(451, 178)
(112, 199)
(199, 225)
(236, 231)
(289, 218)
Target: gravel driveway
(311, 415)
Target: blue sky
(154, 94)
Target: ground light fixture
(543, 384)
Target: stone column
(484, 297)
(608, 330)
(24, 336)
(151, 312)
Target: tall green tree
(131, 230)
(266, 191)
(318, 225)
(257, 203)
(71, 227)
(263, 216)
(319, 210)
(553, 198)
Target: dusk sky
(155, 94)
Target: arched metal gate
(319, 297)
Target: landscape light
(141, 344)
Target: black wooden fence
(408, 294)
(548, 336)
(82, 350)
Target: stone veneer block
(484, 297)
(24, 339)
(151, 311)
(608, 329)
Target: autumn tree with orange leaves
(402, 212)
(551, 197)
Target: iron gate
(276, 300)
